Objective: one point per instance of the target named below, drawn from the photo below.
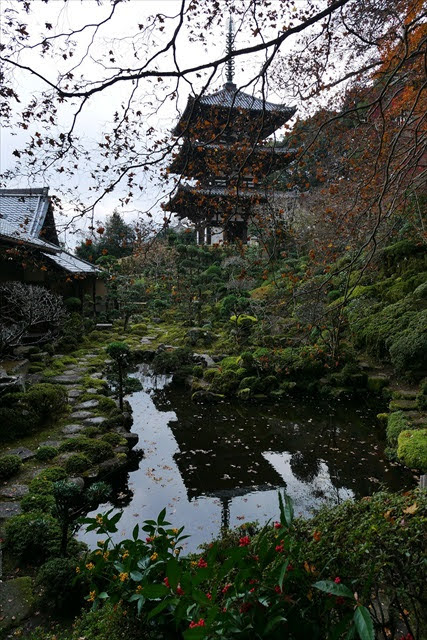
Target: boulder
(17, 601)
(9, 509)
(22, 452)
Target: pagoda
(225, 155)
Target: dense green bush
(77, 463)
(396, 423)
(412, 448)
(72, 332)
(59, 590)
(114, 439)
(38, 502)
(9, 466)
(172, 361)
(73, 304)
(32, 537)
(46, 453)
(95, 450)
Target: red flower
(200, 623)
(180, 591)
(166, 581)
(226, 588)
(277, 589)
(277, 525)
(149, 539)
(243, 542)
(209, 596)
(337, 580)
(279, 548)
(202, 564)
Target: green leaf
(154, 591)
(328, 586)
(195, 634)
(282, 573)
(136, 575)
(273, 623)
(282, 509)
(103, 596)
(158, 609)
(289, 510)
(161, 516)
(363, 622)
(135, 532)
(140, 604)
(173, 572)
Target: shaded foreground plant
(257, 587)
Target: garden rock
(94, 421)
(9, 509)
(89, 404)
(72, 428)
(78, 481)
(16, 601)
(22, 452)
(81, 415)
(204, 358)
(71, 378)
(131, 438)
(111, 465)
(14, 491)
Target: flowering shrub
(259, 588)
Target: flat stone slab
(81, 415)
(95, 421)
(92, 390)
(74, 393)
(9, 509)
(22, 452)
(14, 491)
(65, 378)
(89, 404)
(16, 601)
(50, 443)
(96, 375)
(72, 428)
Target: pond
(220, 465)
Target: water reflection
(215, 466)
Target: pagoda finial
(229, 51)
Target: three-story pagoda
(225, 152)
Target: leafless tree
(28, 314)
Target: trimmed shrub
(73, 304)
(37, 502)
(9, 466)
(95, 450)
(412, 449)
(114, 439)
(210, 374)
(396, 423)
(32, 537)
(77, 463)
(46, 453)
(59, 588)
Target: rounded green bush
(46, 453)
(77, 463)
(32, 537)
(114, 439)
(210, 374)
(73, 304)
(9, 466)
(96, 450)
(59, 589)
(46, 400)
(91, 432)
(396, 423)
(198, 371)
(37, 502)
(412, 449)
(53, 474)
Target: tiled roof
(24, 210)
(10, 231)
(22, 216)
(229, 97)
(71, 263)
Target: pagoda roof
(229, 98)
(199, 202)
(193, 151)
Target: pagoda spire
(229, 50)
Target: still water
(220, 465)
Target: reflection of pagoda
(223, 150)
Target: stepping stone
(17, 603)
(9, 509)
(50, 443)
(72, 428)
(22, 452)
(92, 390)
(96, 375)
(95, 421)
(65, 378)
(81, 415)
(89, 404)
(74, 393)
(14, 491)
